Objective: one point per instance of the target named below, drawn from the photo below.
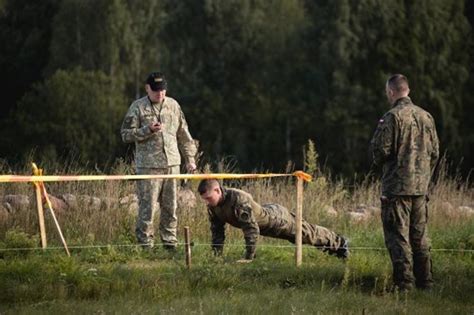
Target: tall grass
(127, 280)
(114, 224)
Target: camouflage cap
(157, 81)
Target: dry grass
(113, 223)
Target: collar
(405, 100)
(151, 103)
(225, 194)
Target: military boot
(343, 250)
(422, 268)
(170, 248)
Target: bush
(18, 243)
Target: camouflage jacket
(239, 210)
(159, 149)
(406, 145)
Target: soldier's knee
(420, 246)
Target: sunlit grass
(123, 279)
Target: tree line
(255, 78)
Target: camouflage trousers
(154, 195)
(282, 224)
(404, 221)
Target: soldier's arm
(382, 144)
(435, 147)
(217, 232)
(250, 229)
(131, 130)
(186, 144)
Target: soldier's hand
(155, 126)
(191, 167)
(244, 261)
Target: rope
(68, 178)
(231, 245)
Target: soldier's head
(396, 87)
(210, 191)
(156, 86)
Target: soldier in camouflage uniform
(156, 124)
(406, 145)
(237, 207)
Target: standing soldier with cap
(406, 145)
(156, 124)
(237, 208)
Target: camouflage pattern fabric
(160, 149)
(154, 195)
(407, 146)
(404, 222)
(240, 210)
(405, 143)
(157, 153)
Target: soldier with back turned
(405, 145)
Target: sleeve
(186, 144)
(383, 141)
(250, 229)
(434, 146)
(131, 130)
(218, 233)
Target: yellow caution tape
(66, 178)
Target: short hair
(398, 83)
(207, 184)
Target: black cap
(157, 81)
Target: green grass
(124, 280)
(130, 281)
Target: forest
(256, 79)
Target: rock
(367, 210)
(358, 216)
(7, 206)
(374, 211)
(361, 208)
(465, 211)
(91, 202)
(448, 209)
(186, 198)
(330, 211)
(81, 201)
(109, 202)
(70, 200)
(130, 203)
(133, 208)
(4, 213)
(128, 199)
(16, 202)
(59, 205)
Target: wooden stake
(187, 246)
(299, 222)
(50, 207)
(39, 205)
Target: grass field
(127, 280)
(123, 279)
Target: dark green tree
(25, 32)
(230, 62)
(360, 43)
(70, 112)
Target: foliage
(256, 79)
(147, 282)
(19, 243)
(109, 272)
(75, 115)
(311, 158)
